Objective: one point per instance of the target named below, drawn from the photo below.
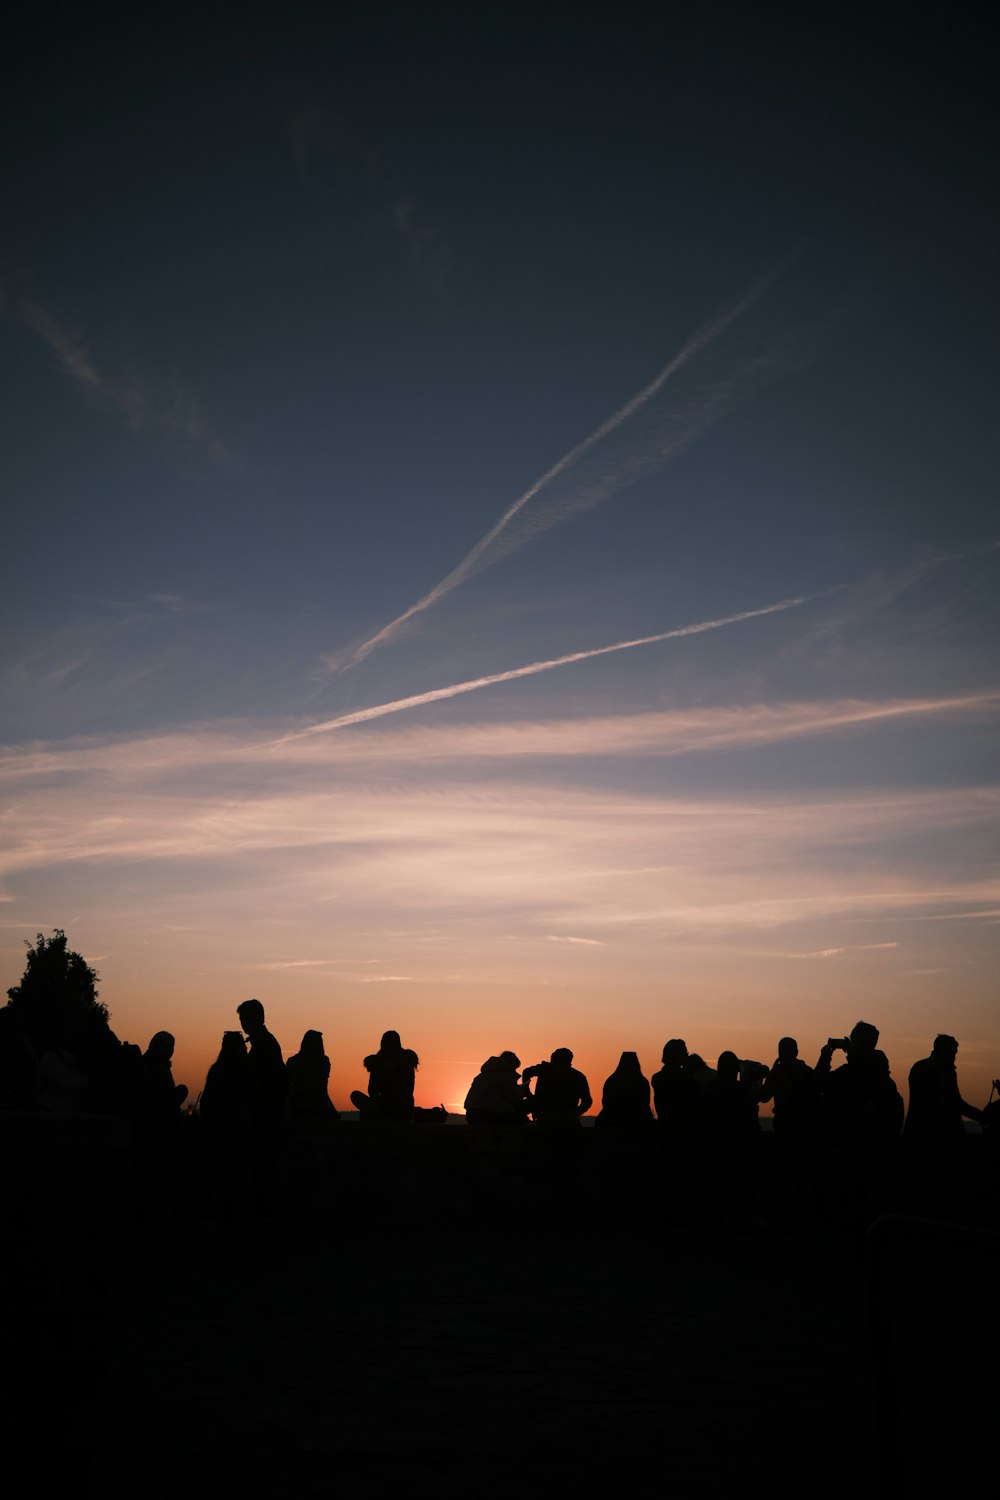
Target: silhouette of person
(933, 1134)
(625, 1097)
(227, 1093)
(268, 1088)
(308, 1076)
(163, 1096)
(675, 1094)
(562, 1093)
(934, 1119)
(496, 1095)
(732, 1136)
(861, 1101)
(791, 1086)
(677, 1101)
(267, 1068)
(707, 1080)
(734, 1104)
(391, 1077)
(158, 1113)
(226, 1110)
(862, 1114)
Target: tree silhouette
(57, 994)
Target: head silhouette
(675, 1053)
(390, 1042)
(161, 1047)
(864, 1037)
(233, 1049)
(788, 1049)
(251, 1014)
(728, 1067)
(562, 1057)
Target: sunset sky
(357, 359)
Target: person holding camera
(861, 1100)
(862, 1116)
(562, 1093)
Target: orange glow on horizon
(454, 1035)
(476, 887)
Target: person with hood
(496, 1095)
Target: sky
(500, 526)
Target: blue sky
(296, 309)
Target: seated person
(391, 1074)
(308, 1073)
(562, 1093)
(497, 1096)
(625, 1099)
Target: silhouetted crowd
(834, 1127)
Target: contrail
(398, 705)
(70, 352)
(689, 423)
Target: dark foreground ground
(389, 1336)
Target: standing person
(676, 1094)
(933, 1134)
(391, 1078)
(862, 1114)
(934, 1119)
(267, 1068)
(268, 1089)
(860, 1099)
(226, 1112)
(677, 1101)
(562, 1093)
(731, 1146)
(791, 1085)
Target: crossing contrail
(455, 689)
(585, 484)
